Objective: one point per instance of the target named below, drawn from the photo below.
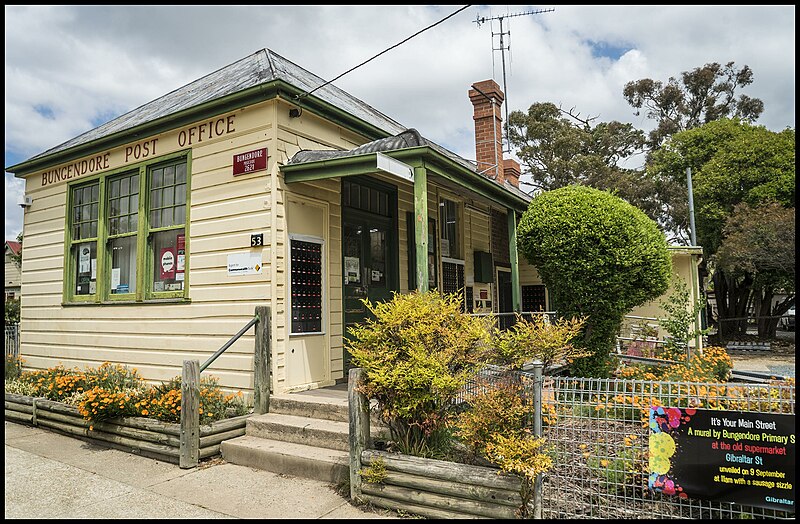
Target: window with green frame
(128, 234)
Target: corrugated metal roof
(259, 68)
(262, 67)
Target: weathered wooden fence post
(261, 362)
(359, 429)
(537, 432)
(190, 414)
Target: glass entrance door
(369, 257)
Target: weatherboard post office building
(152, 238)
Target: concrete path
(49, 475)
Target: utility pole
(481, 20)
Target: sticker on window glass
(94, 268)
(167, 263)
(115, 277)
(352, 269)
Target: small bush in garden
(417, 353)
(55, 383)
(523, 455)
(113, 377)
(499, 408)
(548, 342)
(18, 387)
(376, 472)
(100, 404)
(13, 366)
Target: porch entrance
(369, 249)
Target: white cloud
(83, 62)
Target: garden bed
(140, 435)
(440, 489)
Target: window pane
(113, 207)
(84, 257)
(180, 174)
(169, 176)
(113, 226)
(123, 265)
(95, 211)
(180, 194)
(155, 198)
(157, 178)
(166, 217)
(155, 219)
(76, 215)
(168, 194)
(114, 189)
(133, 222)
(77, 197)
(87, 194)
(135, 202)
(86, 230)
(168, 260)
(123, 206)
(135, 184)
(95, 192)
(180, 215)
(93, 229)
(124, 186)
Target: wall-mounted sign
(257, 239)
(249, 162)
(244, 264)
(731, 456)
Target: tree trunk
(732, 297)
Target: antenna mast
(481, 20)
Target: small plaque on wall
(250, 161)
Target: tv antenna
(482, 20)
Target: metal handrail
(229, 343)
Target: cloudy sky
(69, 69)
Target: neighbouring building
(13, 273)
(152, 238)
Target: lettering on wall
(143, 150)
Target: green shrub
(417, 352)
(548, 342)
(599, 257)
(13, 367)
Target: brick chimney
(511, 171)
(486, 98)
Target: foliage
(733, 162)
(712, 364)
(114, 390)
(376, 472)
(12, 311)
(558, 151)
(495, 408)
(599, 257)
(522, 455)
(417, 353)
(759, 242)
(681, 321)
(703, 94)
(538, 339)
(13, 367)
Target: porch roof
(409, 147)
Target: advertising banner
(731, 456)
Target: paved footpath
(49, 475)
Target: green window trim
(142, 232)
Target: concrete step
(317, 404)
(299, 460)
(322, 433)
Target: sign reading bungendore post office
(249, 162)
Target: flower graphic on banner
(662, 422)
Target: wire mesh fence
(597, 431)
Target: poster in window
(181, 261)
(115, 278)
(167, 263)
(352, 270)
(84, 259)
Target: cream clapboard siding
(293, 134)
(156, 338)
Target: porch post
(421, 226)
(516, 290)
